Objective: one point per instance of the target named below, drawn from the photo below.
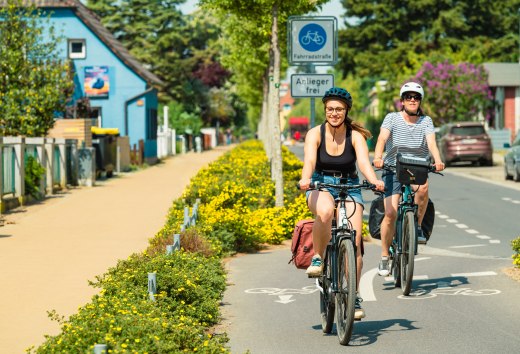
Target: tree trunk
(263, 126)
(274, 112)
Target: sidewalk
(49, 251)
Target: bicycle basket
(412, 169)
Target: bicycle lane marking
(284, 295)
(366, 284)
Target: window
(77, 49)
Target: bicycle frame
(407, 203)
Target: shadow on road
(367, 332)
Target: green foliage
(34, 173)
(392, 39)
(516, 247)
(189, 287)
(33, 84)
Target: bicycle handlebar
(392, 168)
(316, 185)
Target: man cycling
(408, 128)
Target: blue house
(122, 92)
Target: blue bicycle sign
(312, 37)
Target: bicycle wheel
(394, 266)
(326, 298)
(346, 297)
(408, 252)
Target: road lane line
(468, 246)
(471, 231)
(366, 285)
(483, 237)
(474, 274)
(453, 221)
(494, 241)
(462, 226)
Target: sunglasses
(409, 97)
(331, 110)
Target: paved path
(49, 251)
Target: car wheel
(516, 173)
(507, 175)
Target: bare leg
(421, 199)
(321, 204)
(388, 223)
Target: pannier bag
(412, 169)
(301, 247)
(377, 213)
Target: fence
(59, 158)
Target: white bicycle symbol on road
(421, 294)
(277, 291)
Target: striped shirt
(404, 136)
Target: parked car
(465, 141)
(512, 160)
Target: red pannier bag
(301, 247)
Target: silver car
(512, 160)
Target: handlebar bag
(301, 247)
(412, 170)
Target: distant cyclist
(412, 129)
(331, 152)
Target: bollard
(100, 349)
(176, 242)
(186, 215)
(194, 214)
(169, 249)
(183, 228)
(152, 285)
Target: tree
(392, 38)
(33, 85)
(264, 18)
(454, 92)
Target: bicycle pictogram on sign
(312, 37)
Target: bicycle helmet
(337, 93)
(412, 87)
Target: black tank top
(344, 163)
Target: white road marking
(471, 231)
(468, 246)
(516, 201)
(366, 285)
(483, 237)
(415, 277)
(442, 216)
(474, 274)
(453, 221)
(494, 241)
(462, 226)
(284, 299)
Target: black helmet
(337, 93)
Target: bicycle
(337, 284)
(410, 170)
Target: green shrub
(34, 173)
(516, 247)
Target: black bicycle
(337, 284)
(410, 170)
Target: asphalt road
(461, 300)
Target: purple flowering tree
(454, 92)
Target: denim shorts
(354, 194)
(392, 184)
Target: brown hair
(358, 127)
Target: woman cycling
(331, 151)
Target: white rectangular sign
(310, 85)
(312, 40)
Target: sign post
(312, 40)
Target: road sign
(310, 85)
(312, 40)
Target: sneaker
(384, 267)
(316, 268)
(420, 236)
(359, 313)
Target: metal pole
(313, 110)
